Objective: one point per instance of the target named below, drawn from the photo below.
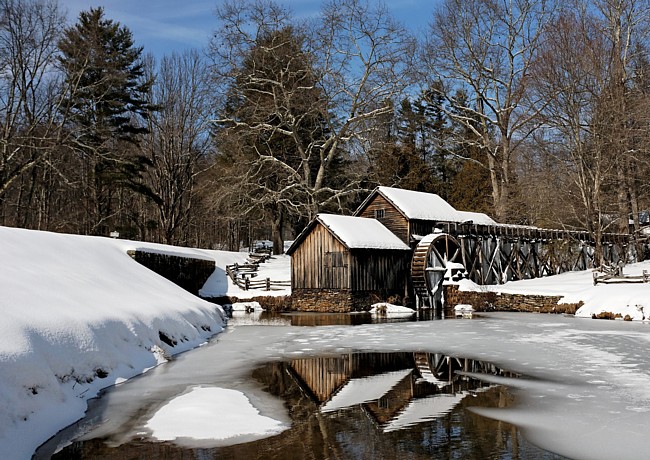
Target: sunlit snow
(78, 315)
(631, 299)
(211, 413)
(361, 232)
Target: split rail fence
(244, 275)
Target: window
(379, 213)
(335, 259)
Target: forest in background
(532, 111)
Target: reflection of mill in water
(396, 389)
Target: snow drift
(78, 315)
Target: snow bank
(631, 299)
(78, 315)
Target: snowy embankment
(78, 315)
(631, 299)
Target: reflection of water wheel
(432, 255)
(437, 368)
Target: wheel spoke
(434, 251)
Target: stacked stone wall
(337, 300)
(491, 301)
(268, 303)
(187, 272)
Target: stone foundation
(268, 303)
(491, 301)
(338, 301)
(187, 272)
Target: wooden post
(268, 284)
(247, 283)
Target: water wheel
(431, 258)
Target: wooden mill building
(400, 244)
(340, 263)
(411, 215)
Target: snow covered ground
(78, 315)
(631, 299)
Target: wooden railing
(609, 275)
(243, 275)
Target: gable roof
(354, 233)
(424, 206)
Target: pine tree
(106, 103)
(471, 188)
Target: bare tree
(365, 60)
(485, 49)
(178, 139)
(305, 97)
(594, 120)
(29, 86)
(624, 26)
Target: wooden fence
(244, 275)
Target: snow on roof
(476, 218)
(429, 206)
(358, 391)
(361, 232)
(419, 205)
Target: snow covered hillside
(77, 315)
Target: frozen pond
(574, 387)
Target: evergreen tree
(436, 140)
(471, 189)
(414, 152)
(105, 106)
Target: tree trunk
(277, 223)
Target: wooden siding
(322, 376)
(422, 227)
(321, 261)
(393, 220)
(379, 270)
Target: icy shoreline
(583, 378)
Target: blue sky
(163, 26)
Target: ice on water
(585, 391)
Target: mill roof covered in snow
(424, 206)
(476, 218)
(354, 233)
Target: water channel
(358, 386)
